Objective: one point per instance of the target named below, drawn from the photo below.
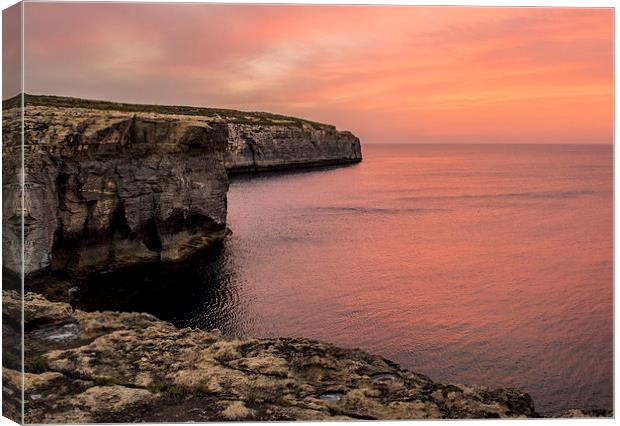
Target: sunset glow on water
(474, 264)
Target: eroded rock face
(104, 188)
(125, 367)
(257, 148)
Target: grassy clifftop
(229, 115)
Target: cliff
(86, 367)
(109, 184)
(258, 148)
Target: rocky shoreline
(86, 367)
(109, 366)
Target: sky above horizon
(390, 74)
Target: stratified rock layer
(258, 148)
(105, 188)
(124, 367)
(107, 185)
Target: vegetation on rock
(228, 115)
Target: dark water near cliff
(472, 264)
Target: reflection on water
(202, 292)
(474, 264)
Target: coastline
(117, 184)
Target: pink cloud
(390, 74)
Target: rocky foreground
(86, 367)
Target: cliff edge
(110, 184)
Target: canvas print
(242, 212)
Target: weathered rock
(133, 367)
(104, 189)
(107, 185)
(35, 308)
(257, 148)
(578, 413)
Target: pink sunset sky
(390, 74)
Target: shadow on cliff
(202, 291)
(248, 175)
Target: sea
(477, 264)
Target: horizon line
(488, 143)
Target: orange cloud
(388, 73)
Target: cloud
(390, 74)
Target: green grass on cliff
(229, 115)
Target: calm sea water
(474, 264)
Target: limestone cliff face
(105, 189)
(107, 185)
(256, 148)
